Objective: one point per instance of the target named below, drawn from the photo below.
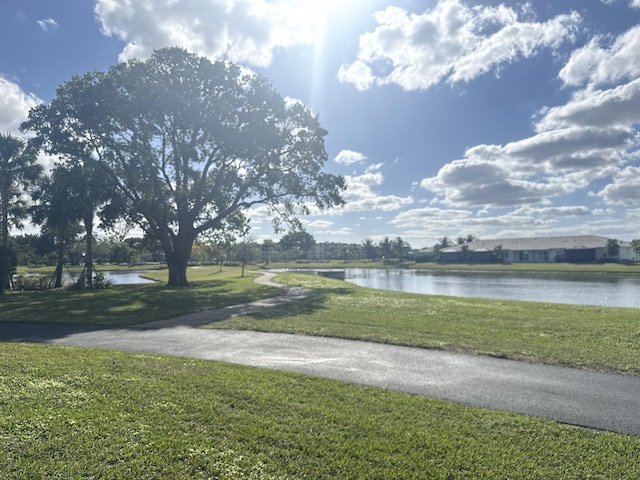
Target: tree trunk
(177, 263)
(57, 275)
(88, 258)
(5, 218)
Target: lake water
(569, 288)
(126, 278)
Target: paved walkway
(588, 399)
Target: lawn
(82, 413)
(130, 304)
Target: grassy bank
(597, 338)
(81, 413)
(130, 304)
(104, 267)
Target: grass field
(81, 413)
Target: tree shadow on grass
(314, 302)
(123, 305)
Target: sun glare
(322, 13)
(325, 20)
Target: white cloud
(358, 73)
(320, 224)
(452, 42)
(616, 107)
(360, 197)
(624, 189)
(594, 136)
(47, 24)
(242, 31)
(14, 105)
(635, 4)
(566, 211)
(596, 65)
(532, 170)
(348, 157)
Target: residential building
(572, 249)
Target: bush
(8, 264)
(31, 282)
(100, 282)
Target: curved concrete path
(588, 399)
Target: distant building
(572, 249)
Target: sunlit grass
(598, 338)
(82, 413)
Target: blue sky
(447, 118)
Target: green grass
(81, 413)
(131, 304)
(49, 269)
(596, 338)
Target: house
(573, 249)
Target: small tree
(498, 254)
(370, 249)
(268, 249)
(635, 245)
(246, 252)
(612, 248)
(465, 254)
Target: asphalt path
(587, 399)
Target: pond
(126, 278)
(569, 288)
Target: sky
(446, 117)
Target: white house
(573, 249)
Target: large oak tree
(192, 145)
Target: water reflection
(569, 288)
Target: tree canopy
(18, 170)
(191, 145)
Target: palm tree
(370, 250)
(400, 248)
(92, 192)
(18, 171)
(58, 213)
(386, 248)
